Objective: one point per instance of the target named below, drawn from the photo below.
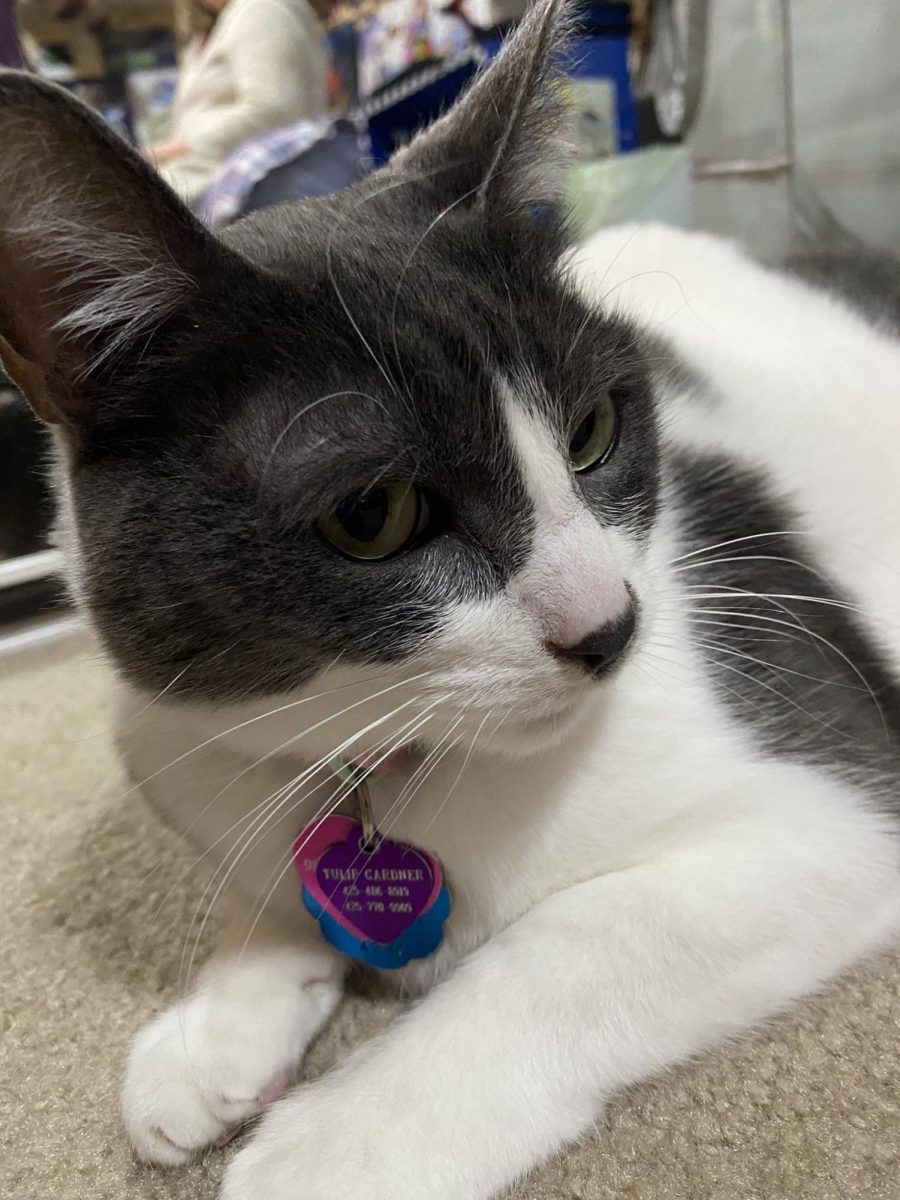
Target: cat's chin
(525, 737)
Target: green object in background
(648, 185)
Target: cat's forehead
(394, 261)
(396, 337)
(381, 294)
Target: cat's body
(685, 775)
(641, 628)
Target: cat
(595, 550)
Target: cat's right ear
(96, 252)
(505, 146)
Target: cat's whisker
(775, 635)
(186, 971)
(686, 304)
(367, 198)
(730, 591)
(238, 851)
(272, 712)
(588, 317)
(159, 695)
(406, 738)
(823, 724)
(255, 810)
(246, 819)
(573, 263)
(824, 641)
(775, 668)
(420, 776)
(263, 810)
(252, 836)
(286, 861)
(469, 752)
(186, 831)
(710, 562)
(715, 663)
(382, 473)
(793, 622)
(400, 737)
(127, 724)
(748, 537)
(741, 699)
(650, 651)
(329, 267)
(718, 647)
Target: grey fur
(788, 650)
(867, 279)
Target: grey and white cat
(609, 537)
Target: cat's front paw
(322, 1144)
(205, 1066)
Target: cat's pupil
(583, 433)
(363, 516)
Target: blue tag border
(422, 938)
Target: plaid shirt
(242, 170)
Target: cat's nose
(602, 647)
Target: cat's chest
(510, 834)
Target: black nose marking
(604, 646)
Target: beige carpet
(812, 1109)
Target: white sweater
(262, 66)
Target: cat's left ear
(505, 145)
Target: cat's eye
(595, 438)
(378, 522)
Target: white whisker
(461, 770)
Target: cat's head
(371, 444)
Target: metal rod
(29, 567)
(41, 634)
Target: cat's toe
(185, 1090)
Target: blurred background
(771, 121)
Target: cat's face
(395, 487)
(375, 445)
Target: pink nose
(576, 605)
(572, 582)
(602, 647)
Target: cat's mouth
(533, 725)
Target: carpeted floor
(809, 1110)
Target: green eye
(376, 523)
(595, 438)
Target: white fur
(214, 1060)
(648, 884)
(572, 581)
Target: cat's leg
(597, 987)
(218, 1057)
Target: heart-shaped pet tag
(383, 903)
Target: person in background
(259, 65)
